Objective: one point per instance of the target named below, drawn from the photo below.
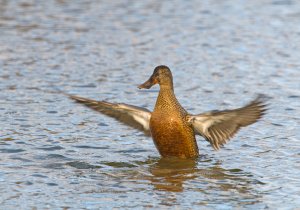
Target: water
(56, 154)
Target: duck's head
(161, 75)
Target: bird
(171, 127)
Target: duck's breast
(172, 135)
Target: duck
(171, 127)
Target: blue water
(55, 154)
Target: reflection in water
(172, 178)
(202, 175)
(170, 173)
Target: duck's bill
(145, 85)
(148, 84)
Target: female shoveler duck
(172, 128)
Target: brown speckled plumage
(171, 132)
(172, 128)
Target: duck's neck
(166, 97)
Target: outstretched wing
(133, 116)
(218, 127)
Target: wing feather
(136, 117)
(218, 127)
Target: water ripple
(55, 154)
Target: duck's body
(172, 128)
(171, 133)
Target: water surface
(57, 154)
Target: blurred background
(55, 154)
